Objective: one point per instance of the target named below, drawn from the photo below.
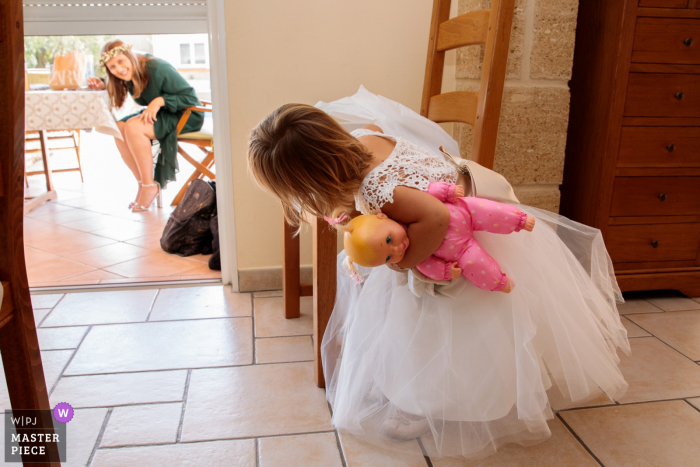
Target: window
(185, 54)
(199, 54)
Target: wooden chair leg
(291, 289)
(208, 161)
(325, 273)
(76, 141)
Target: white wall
(305, 51)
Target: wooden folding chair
(54, 135)
(204, 140)
(482, 110)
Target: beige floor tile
(360, 453)
(154, 264)
(653, 434)
(45, 300)
(82, 433)
(637, 305)
(55, 270)
(39, 315)
(655, 372)
(54, 361)
(675, 303)
(632, 329)
(33, 256)
(121, 389)
(318, 450)
(561, 450)
(121, 306)
(267, 293)
(283, 349)
(60, 338)
(164, 345)
(150, 242)
(679, 329)
(128, 230)
(74, 242)
(270, 320)
(695, 402)
(200, 302)
(109, 255)
(257, 400)
(142, 424)
(236, 453)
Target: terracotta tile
(109, 255)
(198, 277)
(560, 450)
(142, 424)
(33, 256)
(267, 294)
(140, 280)
(200, 269)
(56, 269)
(199, 302)
(283, 349)
(69, 244)
(154, 264)
(229, 453)
(270, 320)
(653, 434)
(94, 276)
(98, 222)
(121, 306)
(679, 329)
(121, 389)
(637, 305)
(164, 346)
(47, 208)
(128, 230)
(675, 303)
(60, 338)
(45, 300)
(150, 242)
(65, 216)
(632, 329)
(75, 281)
(695, 402)
(559, 402)
(38, 233)
(385, 453)
(256, 400)
(656, 372)
(318, 450)
(200, 258)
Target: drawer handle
(671, 147)
(655, 243)
(679, 95)
(662, 196)
(688, 41)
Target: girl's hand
(95, 84)
(149, 113)
(529, 223)
(455, 272)
(459, 191)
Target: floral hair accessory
(107, 56)
(337, 220)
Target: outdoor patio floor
(201, 376)
(89, 236)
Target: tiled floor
(200, 376)
(89, 236)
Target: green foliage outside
(39, 51)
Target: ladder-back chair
(490, 28)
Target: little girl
(371, 241)
(461, 368)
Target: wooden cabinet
(633, 151)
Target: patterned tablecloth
(67, 110)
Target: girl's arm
(427, 220)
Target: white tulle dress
(483, 368)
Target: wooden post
(325, 274)
(290, 272)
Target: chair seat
(206, 133)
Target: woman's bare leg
(127, 157)
(138, 139)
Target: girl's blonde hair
(303, 156)
(116, 87)
(357, 247)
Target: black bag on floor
(188, 229)
(215, 259)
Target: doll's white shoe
(405, 426)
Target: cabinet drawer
(659, 147)
(662, 95)
(663, 3)
(656, 242)
(655, 196)
(666, 40)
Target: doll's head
(373, 240)
(304, 157)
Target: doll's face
(389, 240)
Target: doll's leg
(480, 268)
(494, 217)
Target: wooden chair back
(203, 167)
(482, 109)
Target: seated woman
(156, 84)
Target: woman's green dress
(166, 82)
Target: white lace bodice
(407, 165)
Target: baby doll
(372, 240)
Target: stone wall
(535, 110)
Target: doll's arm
(494, 217)
(445, 192)
(435, 268)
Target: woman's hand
(95, 84)
(149, 113)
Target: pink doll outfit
(466, 216)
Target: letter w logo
(63, 412)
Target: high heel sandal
(158, 198)
(135, 203)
